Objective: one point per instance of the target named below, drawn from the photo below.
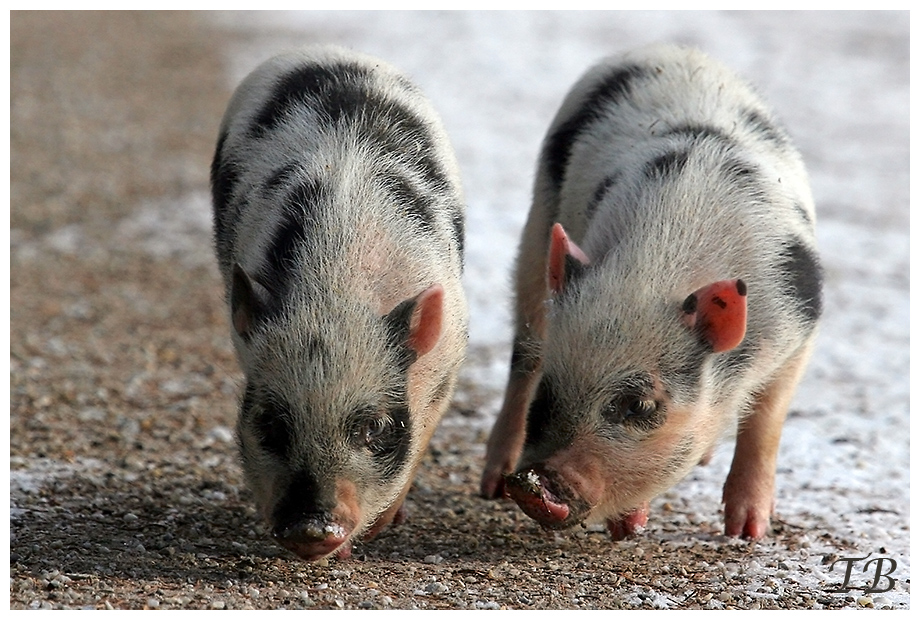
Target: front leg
(749, 490)
(506, 440)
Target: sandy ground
(125, 491)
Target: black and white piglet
(338, 220)
(667, 293)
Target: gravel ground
(125, 491)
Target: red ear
(425, 325)
(718, 312)
(560, 248)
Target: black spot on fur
(802, 213)
(736, 361)
(607, 94)
(415, 206)
(335, 88)
(803, 277)
(696, 132)
(391, 448)
(670, 163)
(599, 192)
(224, 178)
(457, 224)
(280, 178)
(290, 235)
(762, 125)
(744, 175)
(398, 324)
(271, 421)
(344, 96)
(540, 415)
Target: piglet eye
(375, 428)
(641, 408)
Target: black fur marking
(608, 93)
(762, 125)
(670, 163)
(744, 175)
(599, 193)
(736, 361)
(456, 221)
(271, 421)
(290, 235)
(417, 207)
(802, 212)
(540, 416)
(343, 96)
(224, 178)
(574, 271)
(280, 178)
(699, 132)
(335, 87)
(398, 323)
(683, 381)
(391, 448)
(802, 273)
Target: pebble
(881, 602)
(436, 588)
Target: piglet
(667, 293)
(338, 223)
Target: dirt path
(125, 490)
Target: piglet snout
(312, 536)
(541, 497)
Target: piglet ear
(718, 313)
(415, 324)
(566, 260)
(248, 301)
(425, 327)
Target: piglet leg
(630, 524)
(507, 437)
(749, 490)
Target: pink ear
(425, 325)
(560, 246)
(718, 312)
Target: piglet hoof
(747, 514)
(745, 523)
(393, 516)
(401, 516)
(492, 485)
(629, 525)
(344, 551)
